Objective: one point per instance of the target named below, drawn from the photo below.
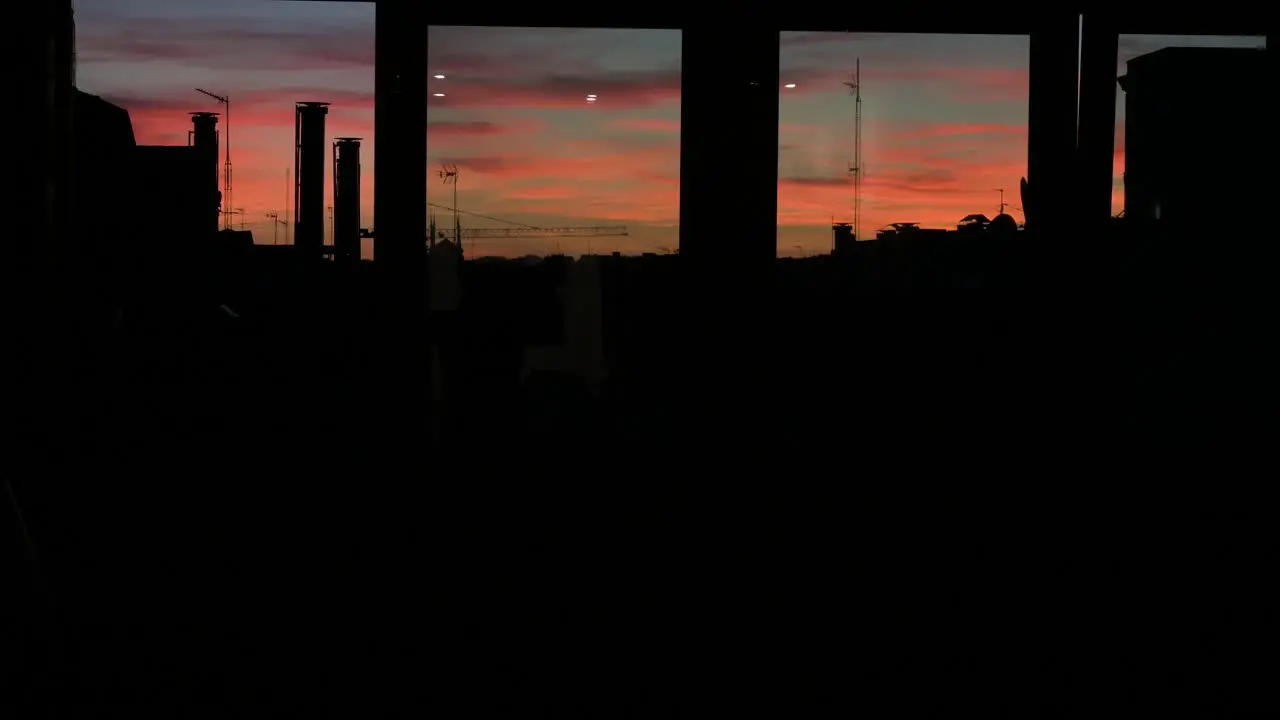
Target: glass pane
(555, 141)
(1136, 46)
(150, 56)
(943, 130)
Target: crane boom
(535, 232)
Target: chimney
(204, 138)
(308, 205)
(346, 200)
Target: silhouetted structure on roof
(1195, 118)
(204, 139)
(346, 200)
(842, 238)
(179, 183)
(101, 159)
(308, 163)
(1003, 224)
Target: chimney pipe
(204, 138)
(308, 206)
(346, 200)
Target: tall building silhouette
(1194, 127)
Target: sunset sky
(944, 116)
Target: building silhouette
(1195, 121)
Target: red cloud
(165, 120)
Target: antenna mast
(288, 183)
(855, 168)
(1003, 204)
(449, 175)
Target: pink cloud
(658, 125)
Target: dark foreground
(1022, 495)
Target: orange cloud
(615, 184)
(931, 173)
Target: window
(555, 141)
(943, 130)
(1145, 178)
(149, 56)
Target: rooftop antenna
(226, 175)
(276, 222)
(855, 168)
(1003, 204)
(449, 176)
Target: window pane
(1136, 46)
(944, 128)
(564, 141)
(149, 56)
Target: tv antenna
(449, 176)
(855, 168)
(276, 222)
(226, 174)
(1003, 204)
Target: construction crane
(226, 175)
(276, 222)
(586, 231)
(583, 231)
(518, 230)
(449, 176)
